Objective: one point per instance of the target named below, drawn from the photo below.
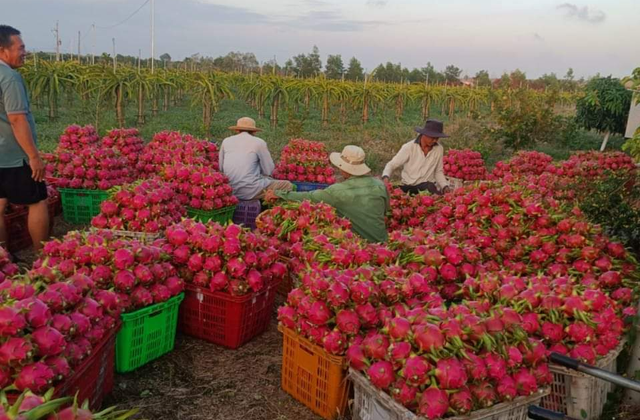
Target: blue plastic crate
(309, 186)
(246, 213)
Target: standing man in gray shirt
(246, 160)
(21, 167)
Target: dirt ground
(199, 380)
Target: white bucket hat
(351, 160)
(245, 123)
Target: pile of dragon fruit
(75, 138)
(466, 164)
(223, 259)
(459, 311)
(47, 329)
(304, 161)
(144, 206)
(595, 164)
(524, 163)
(88, 168)
(169, 147)
(128, 142)
(138, 273)
(199, 187)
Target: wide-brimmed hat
(351, 160)
(245, 124)
(432, 128)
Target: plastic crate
(314, 377)
(222, 216)
(147, 334)
(226, 320)
(93, 379)
(372, 404)
(80, 206)
(246, 213)
(577, 394)
(16, 222)
(309, 186)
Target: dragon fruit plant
(139, 274)
(304, 161)
(226, 259)
(144, 206)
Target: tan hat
(246, 124)
(351, 160)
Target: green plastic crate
(222, 216)
(147, 334)
(80, 206)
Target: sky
(536, 36)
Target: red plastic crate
(18, 237)
(220, 318)
(93, 379)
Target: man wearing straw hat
(421, 161)
(246, 160)
(360, 198)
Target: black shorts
(17, 186)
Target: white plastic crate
(372, 404)
(577, 394)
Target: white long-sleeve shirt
(418, 167)
(246, 160)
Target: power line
(130, 16)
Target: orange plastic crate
(220, 318)
(314, 377)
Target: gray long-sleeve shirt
(246, 160)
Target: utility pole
(56, 31)
(79, 60)
(153, 35)
(139, 57)
(93, 44)
(114, 54)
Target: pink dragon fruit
(11, 321)
(461, 401)
(50, 341)
(525, 382)
(451, 373)
(35, 377)
(381, 374)
(348, 322)
(16, 351)
(416, 370)
(434, 403)
(507, 388)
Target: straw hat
(351, 160)
(245, 124)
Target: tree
(452, 74)
(482, 78)
(518, 79)
(355, 71)
(315, 64)
(604, 107)
(165, 57)
(335, 67)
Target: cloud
(538, 37)
(329, 20)
(583, 13)
(377, 3)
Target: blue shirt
(13, 100)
